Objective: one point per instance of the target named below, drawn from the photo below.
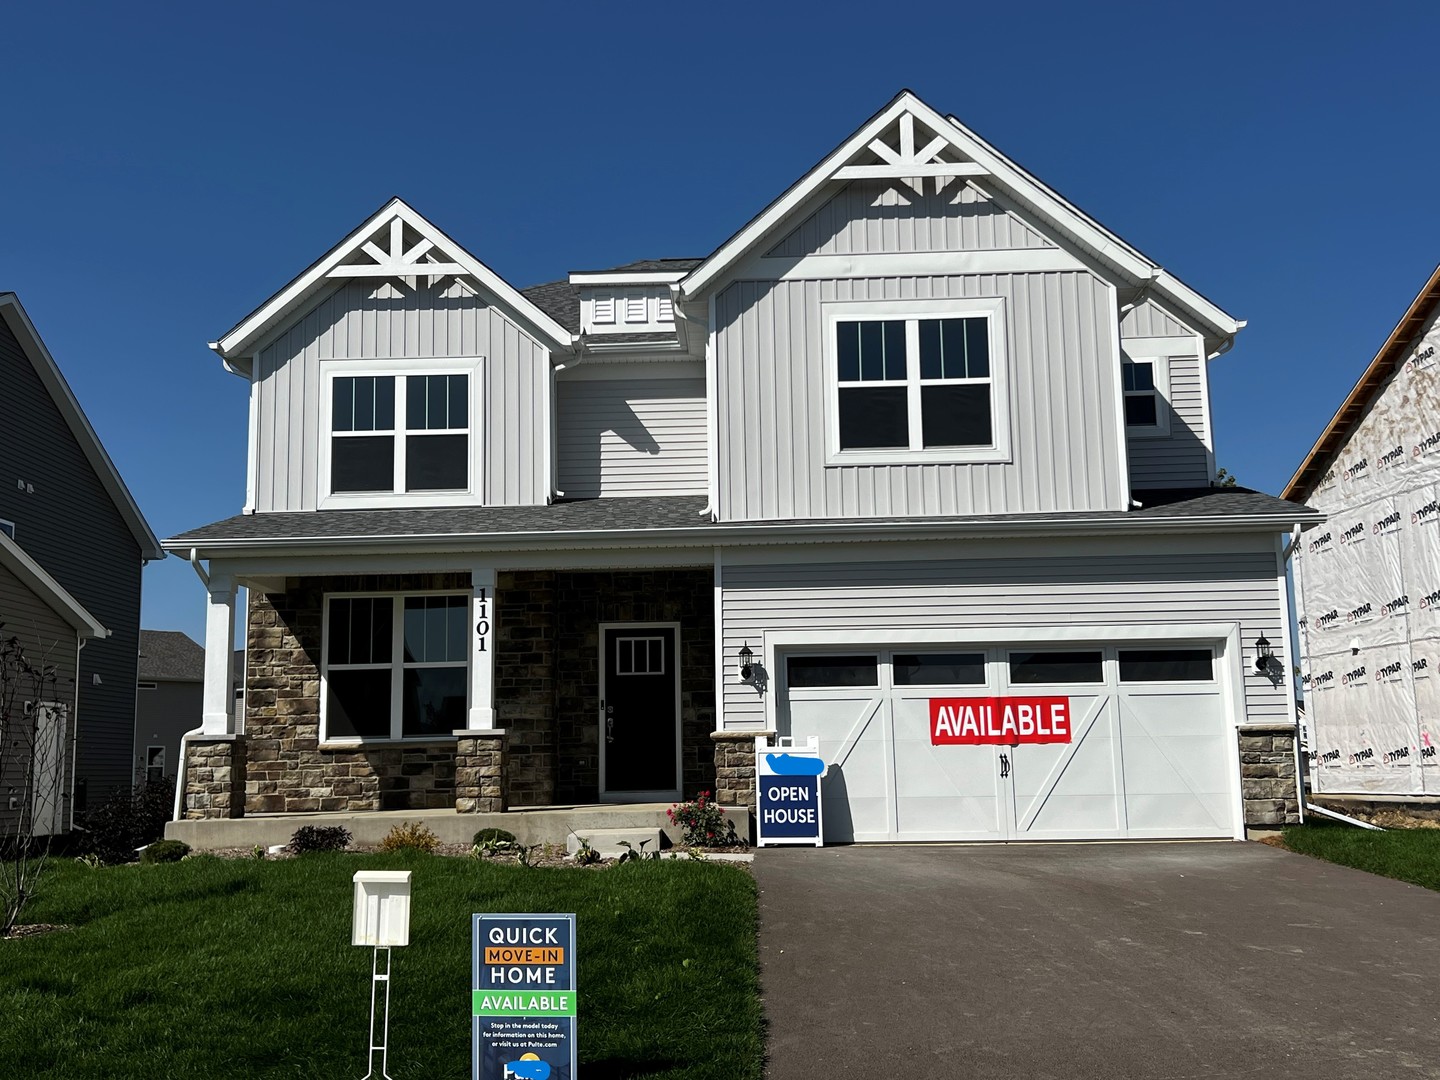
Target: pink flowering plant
(702, 823)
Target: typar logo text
(1327, 620)
(1320, 543)
(1354, 534)
(1426, 445)
(1430, 600)
(1391, 459)
(1423, 359)
(1323, 680)
(1364, 613)
(1350, 678)
(1357, 471)
(1398, 606)
(1392, 672)
(1388, 524)
(1428, 513)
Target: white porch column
(218, 710)
(482, 657)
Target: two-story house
(921, 436)
(74, 546)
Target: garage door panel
(1075, 786)
(856, 792)
(1177, 764)
(942, 793)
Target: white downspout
(75, 730)
(185, 738)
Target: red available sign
(1001, 721)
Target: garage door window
(1057, 667)
(812, 671)
(939, 669)
(1166, 665)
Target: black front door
(637, 708)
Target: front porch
(528, 727)
(535, 825)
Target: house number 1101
(482, 609)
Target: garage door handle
(1004, 766)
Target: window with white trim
(1144, 382)
(395, 666)
(917, 382)
(399, 434)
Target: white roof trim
(34, 348)
(48, 589)
(286, 303)
(619, 277)
(1012, 180)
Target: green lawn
(234, 968)
(1411, 855)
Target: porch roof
(680, 519)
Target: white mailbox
(382, 908)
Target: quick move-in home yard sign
(523, 999)
(999, 721)
(787, 795)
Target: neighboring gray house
(65, 507)
(918, 463)
(172, 676)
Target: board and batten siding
(772, 398)
(1183, 458)
(366, 320)
(631, 437)
(67, 522)
(999, 585)
(875, 216)
(47, 639)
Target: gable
(881, 216)
(1150, 320)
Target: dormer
(630, 299)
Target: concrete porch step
(607, 841)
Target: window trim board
(1160, 370)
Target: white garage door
(1075, 742)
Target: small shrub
(410, 836)
(310, 838)
(498, 837)
(163, 851)
(92, 861)
(702, 823)
(634, 854)
(126, 821)
(585, 855)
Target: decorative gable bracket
(901, 159)
(407, 264)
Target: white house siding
(998, 585)
(1181, 458)
(1151, 320)
(365, 320)
(769, 349)
(874, 216)
(631, 436)
(1368, 594)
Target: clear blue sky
(165, 167)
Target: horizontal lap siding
(628, 437)
(364, 320)
(1125, 587)
(874, 216)
(772, 400)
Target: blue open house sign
(523, 997)
(787, 796)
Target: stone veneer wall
(215, 778)
(735, 767)
(1267, 775)
(285, 768)
(525, 683)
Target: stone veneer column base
(215, 778)
(480, 772)
(1267, 775)
(735, 767)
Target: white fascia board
(34, 577)
(612, 277)
(744, 534)
(293, 296)
(44, 364)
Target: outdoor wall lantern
(1263, 655)
(747, 669)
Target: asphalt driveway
(1072, 961)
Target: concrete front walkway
(1152, 961)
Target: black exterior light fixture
(746, 670)
(1263, 655)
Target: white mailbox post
(382, 921)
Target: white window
(640, 656)
(1145, 382)
(394, 666)
(603, 310)
(917, 382)
(154, 764)
(399, 434)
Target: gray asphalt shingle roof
(677, 512)
(561, 300)
(170, 656)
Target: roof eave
(56, 597)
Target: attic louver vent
(604, 310)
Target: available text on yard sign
(523, 997)
(1001, 721)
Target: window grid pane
(871, 351)
(956, 415)
(1056, 667)
(1166, 665)
(938, 669)
(954, 349)
(819, 671)
(1141, 410)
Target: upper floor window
(399, 434)
(1143, 381)
(923, 382)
